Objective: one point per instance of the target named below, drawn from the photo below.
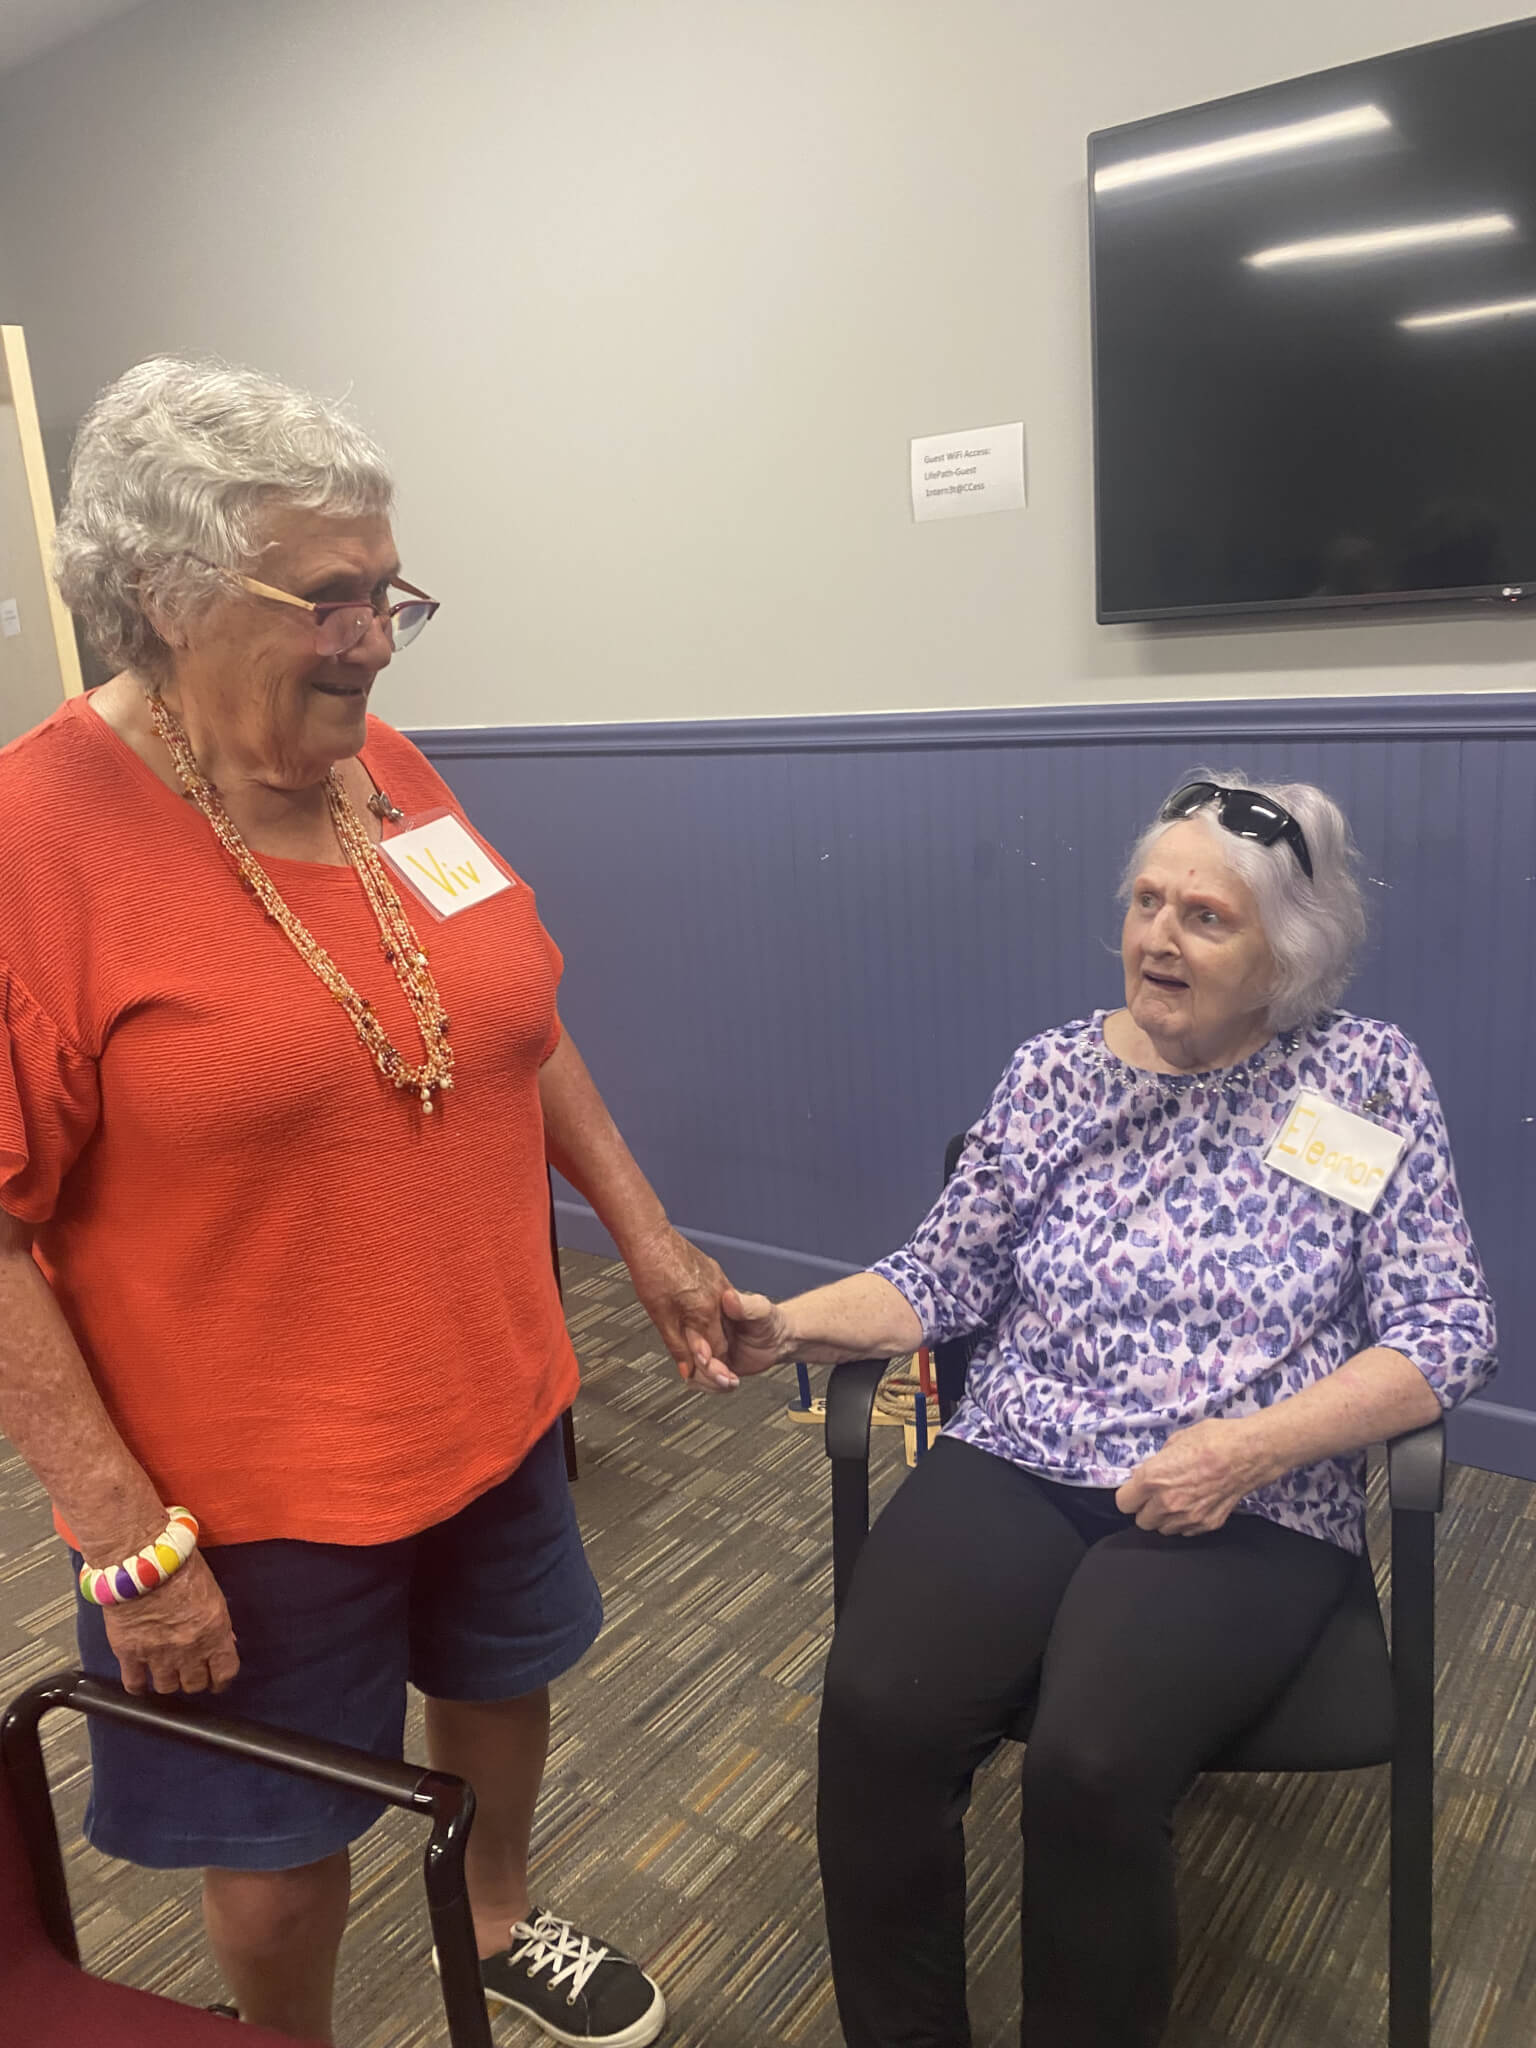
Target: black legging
(1156, 1650)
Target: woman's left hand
(1194, 1482)
(680, 1288)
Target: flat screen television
(1314, 321)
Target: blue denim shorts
(491, 1604)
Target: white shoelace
(555, 1945)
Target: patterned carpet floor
(678, 1812)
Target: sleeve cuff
(1455, 1359)
(939, 1312)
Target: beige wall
(646, 301)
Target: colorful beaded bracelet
(108, 1584)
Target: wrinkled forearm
(863, 1316)
(53, 1415)
(1376, 1395)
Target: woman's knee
(857, 1710)
(1090, 1783)
(278, 1911)
(875, 1706)
(888, 1737)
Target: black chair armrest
(333, 1763)
(448, 1802)
(1416, 1469)
(851, 1391)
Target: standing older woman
(256, 1260)
(1213, 1244)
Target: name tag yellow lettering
(1299, 1122)
(443, 866)
(1331, 1149)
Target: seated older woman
(1213, 1247)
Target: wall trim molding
(1466, 715)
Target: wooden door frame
(17, 375)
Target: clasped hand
(714, 1332)
(1193, 1483)
(681, 1289)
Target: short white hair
(1315, 929)
(181, 464)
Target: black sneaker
(578, 1990)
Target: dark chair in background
(568, 1419)
(48, 2001)
(1354, 1703)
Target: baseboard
(763, 1268)
(1493, 1437)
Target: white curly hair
(176, 469)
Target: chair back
(951, 1361)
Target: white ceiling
(28, 27)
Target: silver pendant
(381, 807)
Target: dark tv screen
(1315, 339)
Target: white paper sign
(447, 869)
(1335, 1151)
(978, 470)
(10, 617)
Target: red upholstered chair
(48, 2001)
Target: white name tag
(1335, 1151)
(442, 865)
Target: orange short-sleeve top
(312, 1311)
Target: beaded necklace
(1095, 1053)
(397, 941)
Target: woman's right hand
(176, 1639)
(756, 1334)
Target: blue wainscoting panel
(799, 952)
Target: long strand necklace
(397, 941)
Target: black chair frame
(568, 1417)
(448, 1802)
(1381, 1703)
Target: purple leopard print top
(1135, 1266)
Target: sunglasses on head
(1243, 813)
